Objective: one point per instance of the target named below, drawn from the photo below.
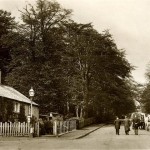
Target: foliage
(22, 117)
(7, 25)
(33, 120)
(6, 110)
(2, 110)
(99, 72)
(72, 68)
(145, 92)
(145, 98)
(37, 55)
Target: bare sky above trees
(127, 20)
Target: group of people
(127, 123)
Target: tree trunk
(81, 112)
(68, 107)
(77, 111)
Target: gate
(62, 127)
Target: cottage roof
(11, 93)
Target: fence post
(0, 128)
(66, 124)
(19, 128)
(28, 129)
(69, 127)
(55, 128)
(31, 130)
(38, 128)
(5, 128)
(61, 127)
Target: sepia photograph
(74, 75)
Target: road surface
(101, 139)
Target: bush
(22, 117)
(48, 125)
(42, 129)
(86, 122)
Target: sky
(127, 20)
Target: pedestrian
(117, 124)
(136, 122)
(127, 124)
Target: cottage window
(17, 107)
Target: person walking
(127, 124)
(117, 124)
(136, 122)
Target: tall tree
(145, 92)
(37, 56)
(7, 26)
(69, 64)
(145, 98)
(100, 70)
(111, 73)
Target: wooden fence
(61, 127)
(86, 122)
(16, 129)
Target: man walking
(117, 123)
(127, 125)
(136, 122)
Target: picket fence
(14, 129)
(62, 127)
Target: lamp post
(31, 94)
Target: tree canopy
(7, 25)
(145, 92)
(72, 67)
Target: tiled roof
(11, 93)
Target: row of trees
(72, 67)
(145, 92)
